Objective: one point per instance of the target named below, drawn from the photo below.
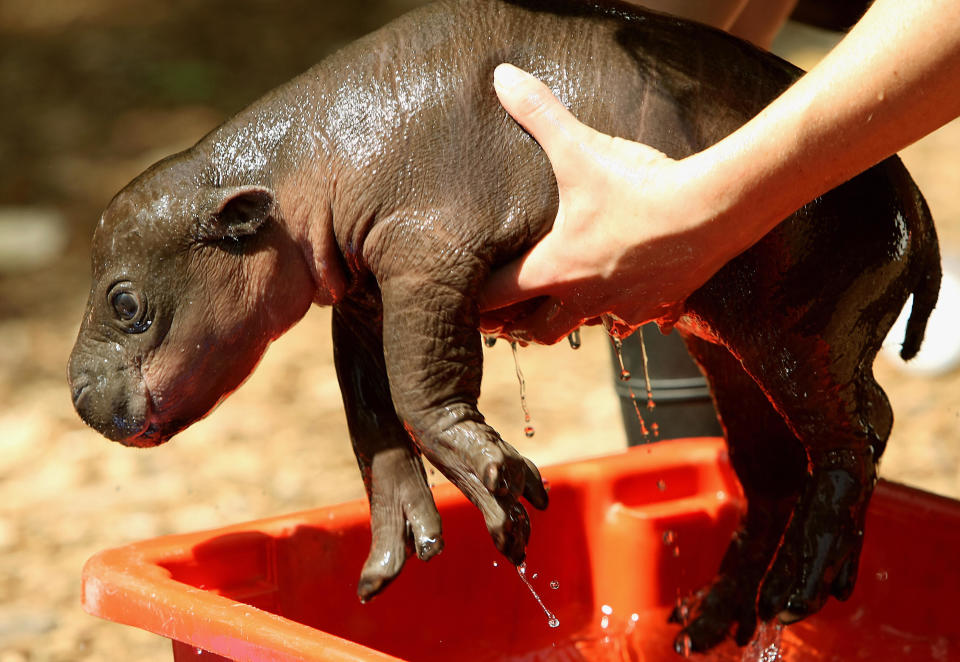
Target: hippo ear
(235, 212)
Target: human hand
(632, 237)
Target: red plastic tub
(623, 537)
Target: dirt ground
(94, 91)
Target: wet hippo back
(415, 119)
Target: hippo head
(191, 282)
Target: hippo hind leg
(820, 551)
(771, 466)
(825, 391)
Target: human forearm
(718, 13)
(757, 21)
(893, 79)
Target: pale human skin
(757, 21)
(637, 232)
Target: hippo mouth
(150, 436)
(152, 432)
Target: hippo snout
(114, 402)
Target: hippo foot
(403, 520)
(728, 605)
(820, 550)
(496, 490)
(710, 616)
(494, 476)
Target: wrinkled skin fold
(387, 182)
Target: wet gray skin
(387, 181)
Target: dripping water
(766, 644)
(625, 374)
(654, 429)
(574, 339)
(527, 427)
(646, 370)
(618, 348)
(552, 620)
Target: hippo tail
(926, 287)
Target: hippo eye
(130, 309)
(126, 306)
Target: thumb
(536, 109)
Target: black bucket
(679, 390)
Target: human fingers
(549, 323)
(536, 109)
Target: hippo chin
(387, 182)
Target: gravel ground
(125, 83)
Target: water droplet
(636, 408)
(683, 611)
(655, 429)
(496, 565)
(528, 429)
(882, 576)
(574, 339)
(554, 584)
(554, 622)
(606, 609)
(676, 551)
(684, 645)
(661, 485)
(604, 622)
(617, 349)
(489, 341)
(634, 617)
(535, 575)
(669, 537)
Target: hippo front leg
(434, 361)
(403, 516)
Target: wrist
(721, 214)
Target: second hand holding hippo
(387, 181)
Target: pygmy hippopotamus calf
(387, 181)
